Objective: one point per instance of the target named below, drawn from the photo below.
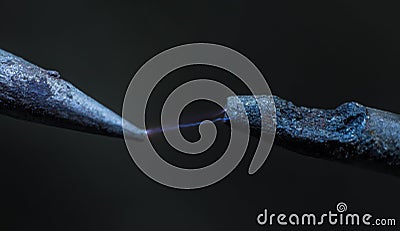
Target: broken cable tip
(132, 132)
(243, 109)
(32, 93)
(350, 133)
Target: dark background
(315, 53)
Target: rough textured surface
(350, 133)
(31, 93)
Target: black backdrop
(315, 53)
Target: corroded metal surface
(31, 93)
(350, 133)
